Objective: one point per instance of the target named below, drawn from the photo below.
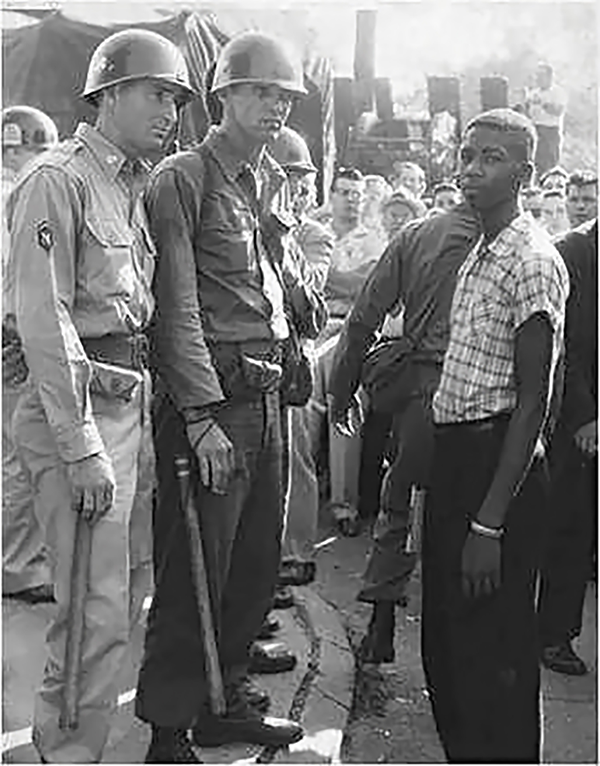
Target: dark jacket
(419, 267)
(579, 248)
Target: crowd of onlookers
(364, 214)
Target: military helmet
(28, 127)
(136, 54)
(291, 151)
(254, 57)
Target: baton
(213, 668)
(80, 568)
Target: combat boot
(170, 745)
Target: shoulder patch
(45, 235)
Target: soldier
(314, 244)
(84, 264)
(26, 132)
(218, 213)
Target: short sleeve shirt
(500, 286)
(359, 246)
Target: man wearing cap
(225, 293)
(26, 132)
(84, 263)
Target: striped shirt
(500, 286)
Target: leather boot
(214, 731)
(170, 745)
(378, 645)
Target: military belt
(129, 351)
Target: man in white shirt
(545, 105)
(356, 251)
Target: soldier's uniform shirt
(218, 283)
(8, 184)
(317, 243)
(84, 261)
(500, 286)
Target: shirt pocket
(484, 314)
(228, 231)
(110, 270)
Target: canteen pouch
(114, 383)
(261, 374)
(297, 382)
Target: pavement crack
(267, 754)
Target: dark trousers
(375, 438)
(389, 565)
(569, 552)
(241, 533)
(480, 656)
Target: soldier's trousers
(241, 532)
(24, 562)
(119, 570)
(480, 655)
(390, 566)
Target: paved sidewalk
(318, 693)
(365, 716)
(391, 719)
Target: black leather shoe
(214, 731)
(271, 660)
(245, 700)
(268, 629)
(283, 598)
(39, 594)
(171, 746)
(562, 659)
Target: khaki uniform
(84, 262)
(23, 559)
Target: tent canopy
(45, 65)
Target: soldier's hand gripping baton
(213, 668)
(80, 568)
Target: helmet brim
(185, 94)
(296, 91)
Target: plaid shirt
(499, 287)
